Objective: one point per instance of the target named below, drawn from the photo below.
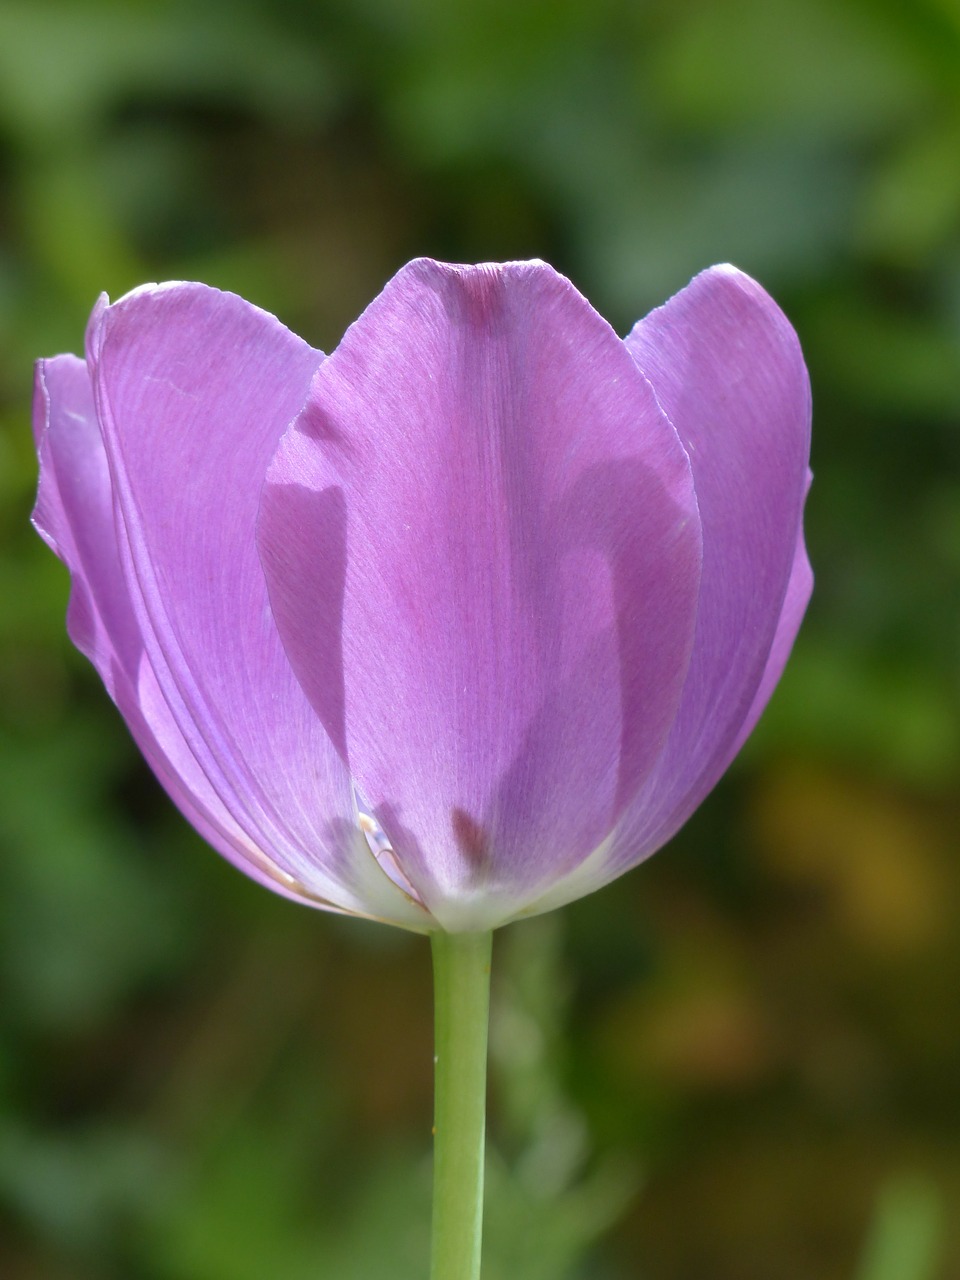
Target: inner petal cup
(482, 549)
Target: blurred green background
(740, 1062)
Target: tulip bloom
(457, 623)
(451, 626)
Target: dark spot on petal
(472, 840)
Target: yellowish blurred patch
(699, 1024)
(876, 857)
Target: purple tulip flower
(455, 624)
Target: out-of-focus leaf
(85, 915)
(821, 68)
(912, 206)
(891, 360)
(839, 706)
(78, 1190)
(905, 1240)
(63, 66)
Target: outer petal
(193, 389)
(483, 551)
(799, 589)
(727, 369)
(74, 515)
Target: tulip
(453, 625)
(458, 623)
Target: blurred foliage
(742, 1060)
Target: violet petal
(727, 368)
(483, 553)
(193, 389)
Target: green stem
(461, 977)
